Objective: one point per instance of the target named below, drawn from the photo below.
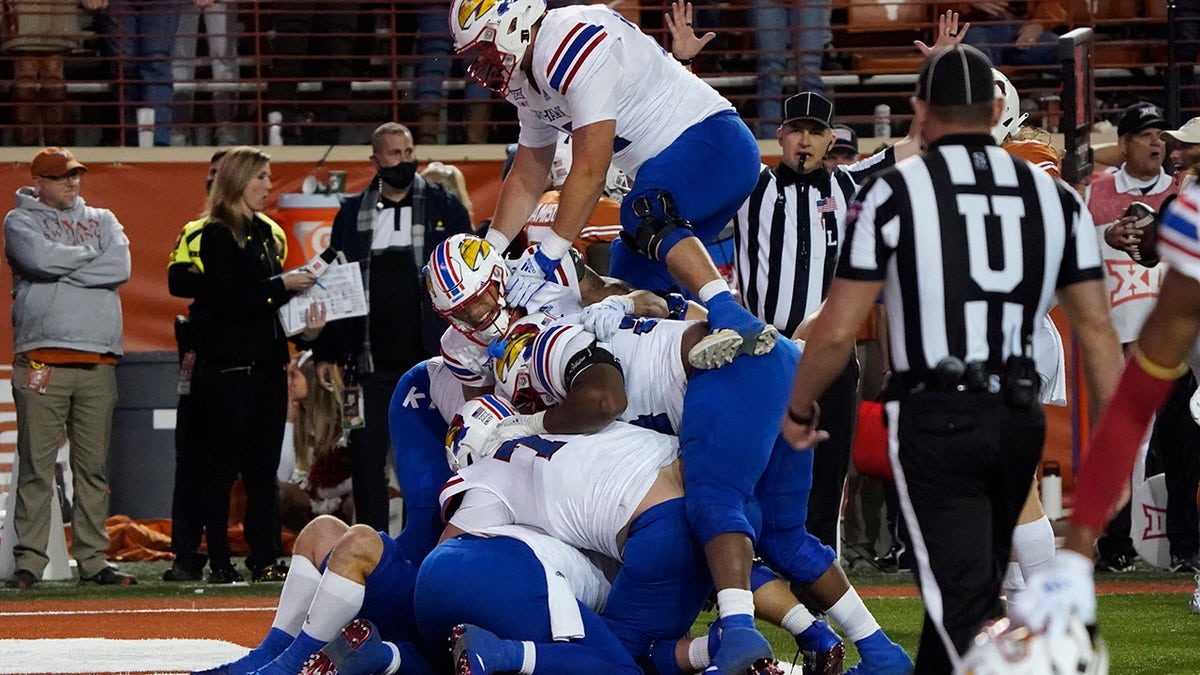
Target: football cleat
(823, 650)
(739, 649)
(881, 656)
(721, 347)
(476, 651)
(357, 650)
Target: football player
(663, 392)
(617, 492)
(587, 71)
(1157, 359)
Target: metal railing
(334, 69)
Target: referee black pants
(831, 459)
(962, 463)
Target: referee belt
(976, 377)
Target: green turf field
(1146, 633)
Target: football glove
(603, 318)
(1051, 596)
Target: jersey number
(542, 447)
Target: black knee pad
(657, 217)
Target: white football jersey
(590, 64)
(588, 584)
(580, 489)
(650, 357)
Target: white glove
(527, 276)
(603, 318)
(1051, 596)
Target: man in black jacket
(389, 229)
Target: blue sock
(662, 654)
(725, 312)
(292, 659)
(272, 645)
(412, 660)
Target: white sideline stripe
(180, 610)
(102, 655)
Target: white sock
(298, 590)
(336, 603)
(530, 660)
(394, 666)
(732, 601)
(698, 655)
(1013, 584)
(555, 247)
(1033, 544)
(797, 620)
(853, 617)
(497, 239)
(712, 289)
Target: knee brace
(659, 225)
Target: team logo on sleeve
(454, 432)
(474, 250)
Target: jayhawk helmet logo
(474, 250)
(518, 345)
(454, 434)
(472, 10)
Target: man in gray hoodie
(67, 260)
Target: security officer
(786, 241)
(967, 246)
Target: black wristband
(684, 62)
(797, 419)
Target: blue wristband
(546, 263)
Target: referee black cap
(1139, 117)
(958, 75)
(808, 105)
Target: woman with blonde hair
(239, 384)
(315, 470)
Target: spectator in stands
(239, 382)
(1131, 287)
(139, 36)
(43, 33)
(313, 38)
(844, 150)
(774, 21)
(435, 46)
(451, 178)
(67, 260)
(220, 19)
(390, 229)
(1014, 33)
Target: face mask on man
(399, 176)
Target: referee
(968, 244)
(786, 241)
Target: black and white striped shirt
(787, 236)
(971, 244)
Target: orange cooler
(307, 220)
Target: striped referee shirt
(787, 235)
(971, 244)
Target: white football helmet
(1012, 118)
(479, 428)
(1006, 649)
(465, 278)
(500, 31)
(562, 161)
